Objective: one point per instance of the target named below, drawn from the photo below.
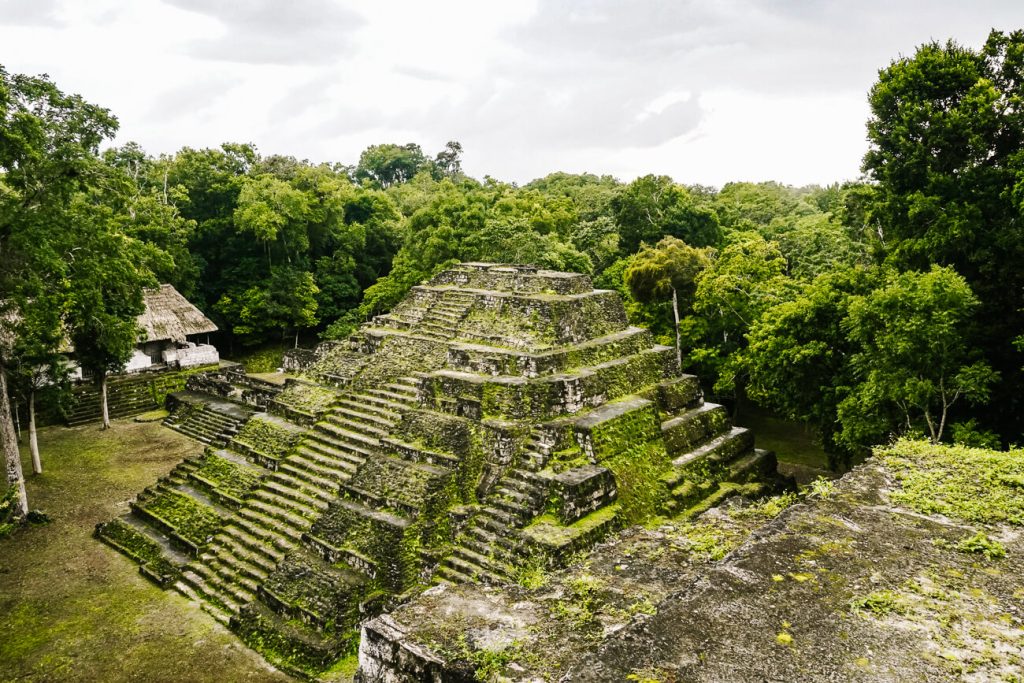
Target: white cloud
(702, 91)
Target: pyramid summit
(499, 416)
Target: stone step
(475, 571)
(348, 436)
(192, 594)
(201, 585)
(356, 426)
(410, 390)
(255, 536)
(448, 574)
(401, 399)
(496, 520)
(365, 416)
(266, 497)
(333, 448)
(330, 471)
(375, 404)
(334, 459)
(242, 567)
(259, 518)
(483, 535)
(288, 472)
(273, 548)
(720, 449)
(294, 520)
(314, 498)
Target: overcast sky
(706, 92)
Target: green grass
(74, 609)
(972, 484)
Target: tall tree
(653, 207)
(389, 164)
(35, 359)
(914, 354)
(670, 269)
(48, 146)
(798, 356)
(107, 275)
(947, 152)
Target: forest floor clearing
(71, 608)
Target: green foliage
(879, 603)
(798, 355)
(981, 544)
(913, 355)
(744, 279)
(231, 478)
(670, 267)
(8, 512)
(968, 433)
(653, 207)
(266, 359)
(192, 520)
(946, 138)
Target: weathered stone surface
(846, 586)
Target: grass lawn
(73, 609)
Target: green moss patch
(307, 398)
(971, 484)
(227, 477)
(139, 547)
(189, 518)
(268, 436)
(550, 534)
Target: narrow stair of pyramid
(498, 416)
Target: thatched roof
(169, 315)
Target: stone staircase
(277, 515)
(206, 425)
(713, 459)
(487, 550)
(125, 397)
(444, 317)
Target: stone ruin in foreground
(499, 418)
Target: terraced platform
(498, 417)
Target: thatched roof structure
(170, 316)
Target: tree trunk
(675, 314)
(12, 459)
(103, 402)
(296, 338)
(33, 442)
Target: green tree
(914, 354)
(48, 144)
(389, 164)
(653, 207)
(669, 269)
(36, 363)
(798, 354)
(746, 278)
(448, 162)
(106, 278)
(946, 136)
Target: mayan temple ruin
(499, 417)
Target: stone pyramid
(499, 416)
